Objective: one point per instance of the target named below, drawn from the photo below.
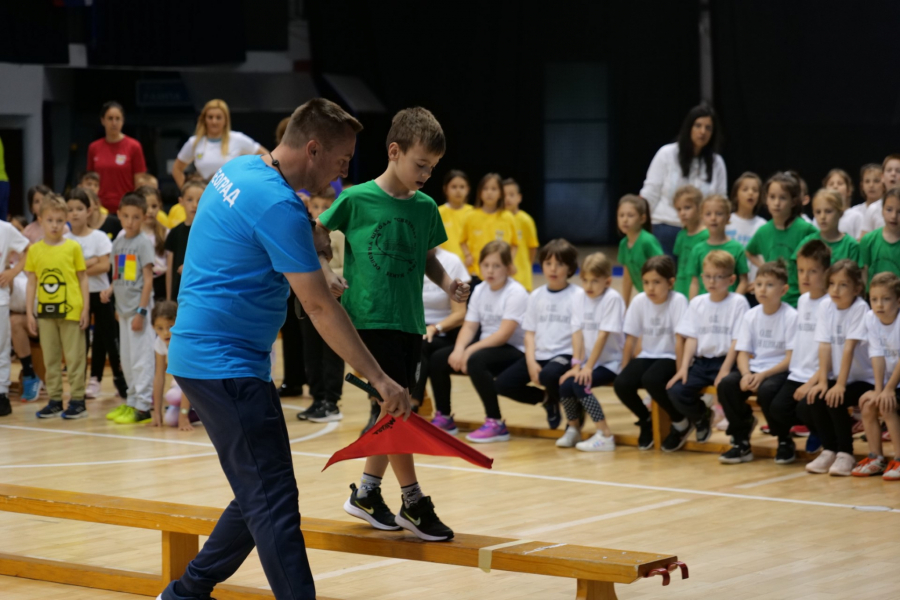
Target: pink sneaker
(492, 431)
(444, 422)
(92, 389)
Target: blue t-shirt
(250, 228)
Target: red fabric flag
(413, 436)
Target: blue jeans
(666, 235)
(245, 423)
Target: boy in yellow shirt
(526, 233)
(454, 211)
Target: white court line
(111, 462)
(329, 427)
(632, 486)
(604, 517)
(746, 486)
(375, 565)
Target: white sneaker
(597, 443)
(822, 462)
(571, 437)
(92, 389)
(648, 400)
(843, 465)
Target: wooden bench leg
(178, 549)
(595, 590)
(426, 409)
(661, 425)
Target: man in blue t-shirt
(251, 242)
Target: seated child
(597, 353)
(709, 327)
(650, 325)
(883, 328)
(548, 334)
(765, 340)
(178, 413)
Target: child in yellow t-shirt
(455, 210)
(57, 277)
(489, 221)
(526, 232)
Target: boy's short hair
(662, 264)
(134, 199)
(166, 309)
(776, 269)
(725, 202)
(500, 247)
(146, 180)
(417, 125)
(851, 268)
(80, 195)
(889, 158)
(719, 259)
(91, 176)
(511, 181)
(318, 119)
(689, 192)
(54, 202)
(886, 280)
(818, 251)
(562, 251)
(596, 264)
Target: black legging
(781, 410)
(651, 374)
(834, 425)
(438, 342)
(514, 381)
(734, 402)
(292, 346)
(105, 338)
(482, 367)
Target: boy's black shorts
(398, 353)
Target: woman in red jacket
(117, 158)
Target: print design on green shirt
(392, 247)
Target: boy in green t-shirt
(716, 210)
(392, 231)
(687, 201)
(879, 251)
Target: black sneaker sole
(70, 416)
(684, 438)
(736, 461)
(411, 527)
(48, 415)
(786, 461)
(325, 418)
(355, 511)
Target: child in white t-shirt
(709, 326)
(650, 325)
(783, 413)
(548, 334)
(11, 241)
(765, 340)
(745, 219)
(178, 413)
(596, 354)
(845, 372)
(883, 328)
(496, 309)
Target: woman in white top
(691, 160)
(443, 318)
(213, 143)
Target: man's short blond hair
(719, 259)
(321, 120)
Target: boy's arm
(170, 267)
(743, 362)
(534, 368)
(835, 396)
(878, 368)
(434, 270)
(679, 351)
(98, 266)
(322, 239)
(147, 290)
(821, 377)
(690, 347)
(627, 351)
(742, 284)
(781, 367)
(626, 285)
(727, 365)
(694, 289)
(30, 290)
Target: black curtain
(34, 32)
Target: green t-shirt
(633, 259)
(879, 255)
(695, 263)
(386, 246)
(773, 243)
(846, 247)
(684, 244)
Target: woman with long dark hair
(117, 158)
(691, 160)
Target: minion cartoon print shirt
(387, 242)
(56, 268)
(128, 258)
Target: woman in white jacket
(692, 159)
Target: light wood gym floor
(751, 531)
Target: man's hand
(459, 291)
(395, 399)
(322, 241)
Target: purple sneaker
(444, 423)
(492, 431)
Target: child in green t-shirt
(715, 210)
(392, 232)
(828, 207)
(879, 251)
(687, 201)
(780, 237)
(639, 244)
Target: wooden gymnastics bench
(595, 570)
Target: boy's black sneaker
(704, 428)
(5, 408)
(326, 412)
(676, 440)
(304, 414)
(53, 408)
(121, 385)
(786, 453)
(645, 438)
(75, 410)
(420, 518)
(739, 453)
(371, 509)
(554, 417)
